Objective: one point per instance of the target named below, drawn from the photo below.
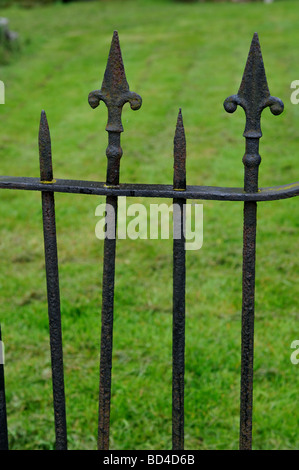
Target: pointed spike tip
(44, 126)
(255, 44)
(115, 46)
(45, 153)
(179, 176)
(43, 122)
(254, 90)
(255, 39)
(115, 39)
(180, 119)
(114, 81)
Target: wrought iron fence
(253, 96)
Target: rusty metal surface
(253, 96)
(45, 152)
(179, 288)
(179, 167)
(52, 277)
(95, 188)
(247, 340)
(107, 330)
(114, 93)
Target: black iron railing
(253, 96)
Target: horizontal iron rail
(216, 193)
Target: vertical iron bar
(3, 416)
(107, 327)
(115, 93)
(253, 96)
(51, 260)
(247, 340)
(179, 283)
(251, 162)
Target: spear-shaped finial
(115, 93)
(253, 96)
(45, 154)
(179, 175)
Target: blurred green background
(176, 55)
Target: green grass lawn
(176, 55)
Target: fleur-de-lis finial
(253, 96)
(115, 93)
